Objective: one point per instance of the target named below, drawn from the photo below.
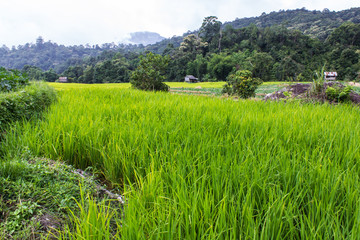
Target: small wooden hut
(330, 76)
(191, 79)
(63, 80)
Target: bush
(242, 84)
(25, 103)
(338, 93)
(11, 80)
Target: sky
(75, 22)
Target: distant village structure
(63, 80)
(191, 79)
(330, 76)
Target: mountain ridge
(49, 55)
(314, 23)
(145, 38)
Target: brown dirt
(50, 224)
(355, 98)
(298, 89)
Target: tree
(348, 34)
(39, 42)
(241, 84)
(73, 73)
(193, 44)
(150, 73)
(33, 73)
(210, 31)
(262, 66)
(220, 65)
(198, 67)
(50, 76)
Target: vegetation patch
(242, 84)
(150, 73)
(40, 197)
(11, 80)
(25, 103)
(332, 92)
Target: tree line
(211, 53)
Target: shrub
(317, 87)
(331, 93)
(338, 93)
(242, 84)
(11, 80)
(25, 103)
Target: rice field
(192, 167)
(201, 88)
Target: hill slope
(314, 23)
(47, 55)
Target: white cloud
(92, 21)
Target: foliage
(317, 86)
(25, 104)
(348, 34)
(262, 66)
(33, 73)
(220, 65)
(317, 24)
(198, 67)
(210, 32)
(242, 84)
(150, 73)
(11, 80)
(338, 93)
(35, 195)
(345, 46)
(193, 44)
(50, 76)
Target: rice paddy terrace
(194, 167)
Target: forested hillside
(317, 24)
(268, 47)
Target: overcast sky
(74, 22)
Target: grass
(36, 195)
(208, 168)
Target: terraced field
(193, 167)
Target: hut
(191, 79)
(63, 80)
(330, 76)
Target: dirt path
(355, 84)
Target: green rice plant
(209, 168)
(93, 221)
(194, 85)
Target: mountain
(317, 24)
(145, 38)
(49, 55)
